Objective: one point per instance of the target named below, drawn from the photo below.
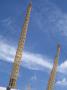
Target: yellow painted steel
(54, 70)
(17, 60)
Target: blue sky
(47, 28)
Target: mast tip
(31, 2)
(58, 45)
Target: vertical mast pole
(54, 70)
(17, 60)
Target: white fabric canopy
(3, 88)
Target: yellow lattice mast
(54, 70)
(17, 60)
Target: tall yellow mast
(17, 60)
(54, 70)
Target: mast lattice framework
(17, 60)
(51, 80)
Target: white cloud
(54, 18)
(63, 67)
(10, 25)
(35, 61)
(30, 60)
(62, 82)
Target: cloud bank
(62, 82)
(63, 67)
(29, 60)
